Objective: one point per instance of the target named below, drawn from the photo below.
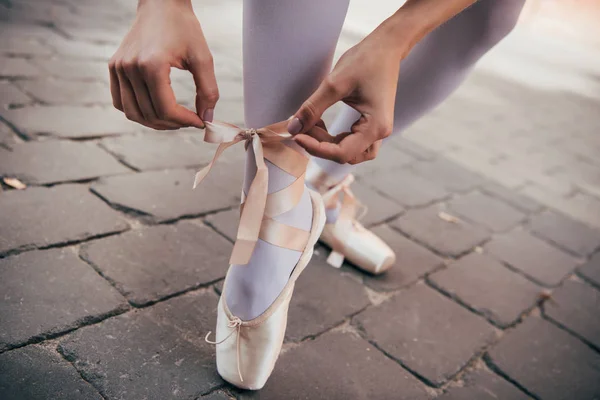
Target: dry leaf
(448, 218)
(15, 183)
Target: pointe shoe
(247, 350)
(347, 237)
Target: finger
(369, 154)
(319, 133)
(115, 90)
(349, 147)
(130, 106)
(144, 102)
(207, 92)
(156, 76)
(326, 95)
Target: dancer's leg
(288, 49)
(437, 66)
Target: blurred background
(110, 266)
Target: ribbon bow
(253, 211)
(235, 325)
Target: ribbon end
(242, 252)
(335, 259)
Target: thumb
(309, 114)
(207, 92)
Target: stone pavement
(110, 266)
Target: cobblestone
(419, 327)
(553, 366)
(408, 189)
(48, 292)
(566, 233)
(11, 95)
(591, 270)
(59, 92)
(483, 385)
(447, 174)
(55, 161)
(486, 211)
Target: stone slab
(576, 305)
(148, 264)
(40, 217)
(566, 233)
(448, 174)
(11, 95)
(447, 238)
(161, 150)
(515, 199)
(406, 188)
(483, 385)
(69, 69)
(56, 92)
(17, 68)
(69, 121)
(226, 222)
(316, 304)
(6, 134)
(482, 283)
(591, 270)
(413, 261)
(156, 353)
(48, 292)
(378, 208)
(55, 161)
(339, 366)
(167, 195)
(486, 211)
(538, 260)
(428, 333)
(36, 373)
(548, 362)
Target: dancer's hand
(164, 34)
(365, 78)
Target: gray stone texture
(406, 188)
(537, 259)
(447, 238)
(157, 353)
(11, 95)
(523, 203)
(55, 161)
(576, 306)
(482, 283)
(591, 270)
(413, 261)
(339, 366)
(378, 208)
(428, 333)
(451, 176)
(36, 373)
(486, 211)
(168, 195)
(566, 233)
(48, 292)
(39, 217)
(63, 92)
(148, 264)
(552, 366)
(483, 385)
(226, 222)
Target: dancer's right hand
(164, 34)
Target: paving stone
(54, 91)
(379, 208)
(6, 134)
(22, 45)
(35, 373)
(482, 283)
(316, 304)
(548, 362)
(483, 385)
(46, 216)
(81, 49)
(412, 148)
(10, 94)
(161, 150)
(148, 264)
(413, 261)
(17, 67)
(167, 195)
(339, 366)
(430, 334)
(217, 396)
(407, 188)
(565, 232)
(57, 161)
(226, 222)
(575, 306)
(448, 238)
(538, 260)
(74, 69)
(48, 292)
(448, 174)
(511, 197)
(156, 353)
(591, 270)
(388, 159)
(486, 211)
(74, 122)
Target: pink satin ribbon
(253, 212)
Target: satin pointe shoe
(247, 350)
(347, 237)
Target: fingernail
(208, 115)
(295, 126)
